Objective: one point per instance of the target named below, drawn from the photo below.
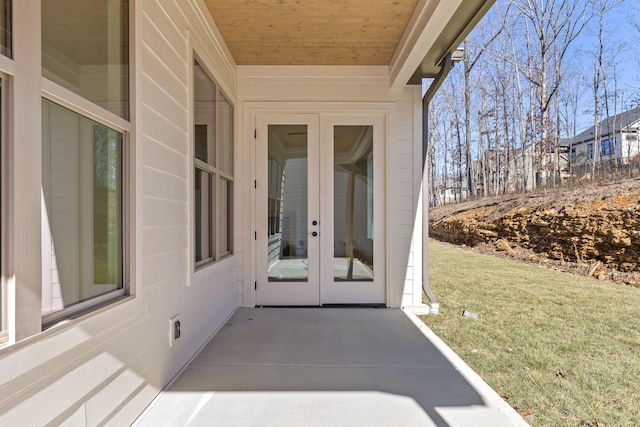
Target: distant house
(562, 157)
(522, 171)
(618, 140)
(521, 175)
(450, 190)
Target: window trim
(5, 110)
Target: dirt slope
(593, 230)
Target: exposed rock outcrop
(598, 226)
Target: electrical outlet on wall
(174, 329)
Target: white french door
(287, 210)
(319, 209)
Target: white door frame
(333, 113)
(300, 293)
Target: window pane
(3, 296)
(225, 212)
(107, 205)
(288, 176)
(201, 142)
(225, 134)
(82, 223)
(203, 216)
(6, 31)
(353, 203)
(213, 153)
(85, 48)
(205, 115)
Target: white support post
(25, 153)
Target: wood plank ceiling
(312, 32)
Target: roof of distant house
(617, 122)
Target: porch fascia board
(437, 28)
(427, 23)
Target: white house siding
(109, 365)
(630, 146)
(327, 89)
(626, 142)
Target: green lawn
(563, 350)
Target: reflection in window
(225, 134)
(287, 203)
(353, 203)
(606, 148)
(6, 28)
(204, 218)
(225, 215)
(3, 285)
(85, 48)
(83, 224)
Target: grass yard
(561, 349)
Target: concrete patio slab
(327, 367)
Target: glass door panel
(316, 211)
(287, 203)
(287, 210)
(353, 203)
(352, 210)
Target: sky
(623, 41)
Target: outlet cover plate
(172, 329)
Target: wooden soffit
(312, 32)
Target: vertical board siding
(107, 367)
(408, 160)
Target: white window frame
(218, 176)
(5, 94)
(6, 109)
(87, 109)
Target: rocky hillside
(592, 230)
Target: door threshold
(288, 306)
(351, 305)
(372, 305)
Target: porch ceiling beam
(437, 27)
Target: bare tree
(602, 7)
(569, 100)
(555, 25)
(474, 48)
(523, 81)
